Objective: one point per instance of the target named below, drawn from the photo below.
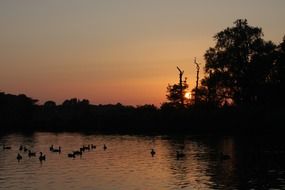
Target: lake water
(255, 163)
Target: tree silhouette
(176, 93)
(238, 67)
(277, 77)
(49, 104)
(16, 109)
(197, 81)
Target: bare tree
(176, 92)
(181, 85)
(197, 79)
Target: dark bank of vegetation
(242, 91)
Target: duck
(152, 152)
(224, 156)
(179, 154)
(77, 153)
(6, 147)
(104, 147)
(71, 155)
(86, 147)
(30, 154)
(19, 157)
(42, 157)
(57, 150)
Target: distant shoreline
(21, 114)
(216, 122)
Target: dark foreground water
(255, 163)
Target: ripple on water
(127, 164)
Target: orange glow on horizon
(109, 51)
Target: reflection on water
(255, 163)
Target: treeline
(21, 113)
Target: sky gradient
(116, 50)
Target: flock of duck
(81, 150)
(42, 157)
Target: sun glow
(188, 95)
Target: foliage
(277, 77)
(16, 109)
(238, 67)
(176, 94)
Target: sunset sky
(111, 51)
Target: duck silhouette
(42, 157)
(71, 155)
(93, 146)
(224, 156)
(57, 150)
(77, 152)
(30, 154)
(6, 147)
(152, 152)
(179, 154)
(19, 157)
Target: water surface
(255, 163)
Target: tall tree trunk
(181, 86)
(197, 80)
